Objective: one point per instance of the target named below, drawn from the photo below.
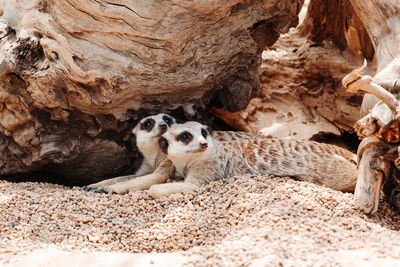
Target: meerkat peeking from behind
(155, 168)
(199, 159)
(147, 133)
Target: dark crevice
(93, 17)
(130, 9)
(36, 176)
(264, 34)
(28, 53)
(8, 32)
(347, 140)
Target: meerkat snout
(163, 126)
(203, 143)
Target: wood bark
(379, 162)
(381, 20)
(75, 76)
(302, 95)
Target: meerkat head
(149, 129)
(187, 141)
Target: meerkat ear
(163, 143)
(209, 130)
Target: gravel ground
(240, 221)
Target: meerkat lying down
(156, 168)
(199, 159)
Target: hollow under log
(75, 76)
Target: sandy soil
(256, 221)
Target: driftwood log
(379, 128)
(302, 94)
(301, 91)
(75, 76)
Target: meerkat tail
(319, 163)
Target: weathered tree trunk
(379, 158)
(76, 75)
(302, 95)
(382, 22)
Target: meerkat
(156, 167)
(199, 159)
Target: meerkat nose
(203, 145)
(163, 126)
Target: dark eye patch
(147, 125)
(168, 120)
(185, 137)
(204, 133)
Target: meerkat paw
(93, 187)
(161, 190)
(97, 187)
(107, 189)
(115, 189)
(156, 191)
(107, 182)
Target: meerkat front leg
(163, 172)
(107, 182)
(192, 181)
(161, 190)
(143, 169)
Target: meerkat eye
(204, 133)
(185, 137)
(168, 120)
(147, 125)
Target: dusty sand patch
(239, 221)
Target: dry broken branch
(378, 129)
(372, 170)
(355, 82)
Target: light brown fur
(156, 167)
(319, 163)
